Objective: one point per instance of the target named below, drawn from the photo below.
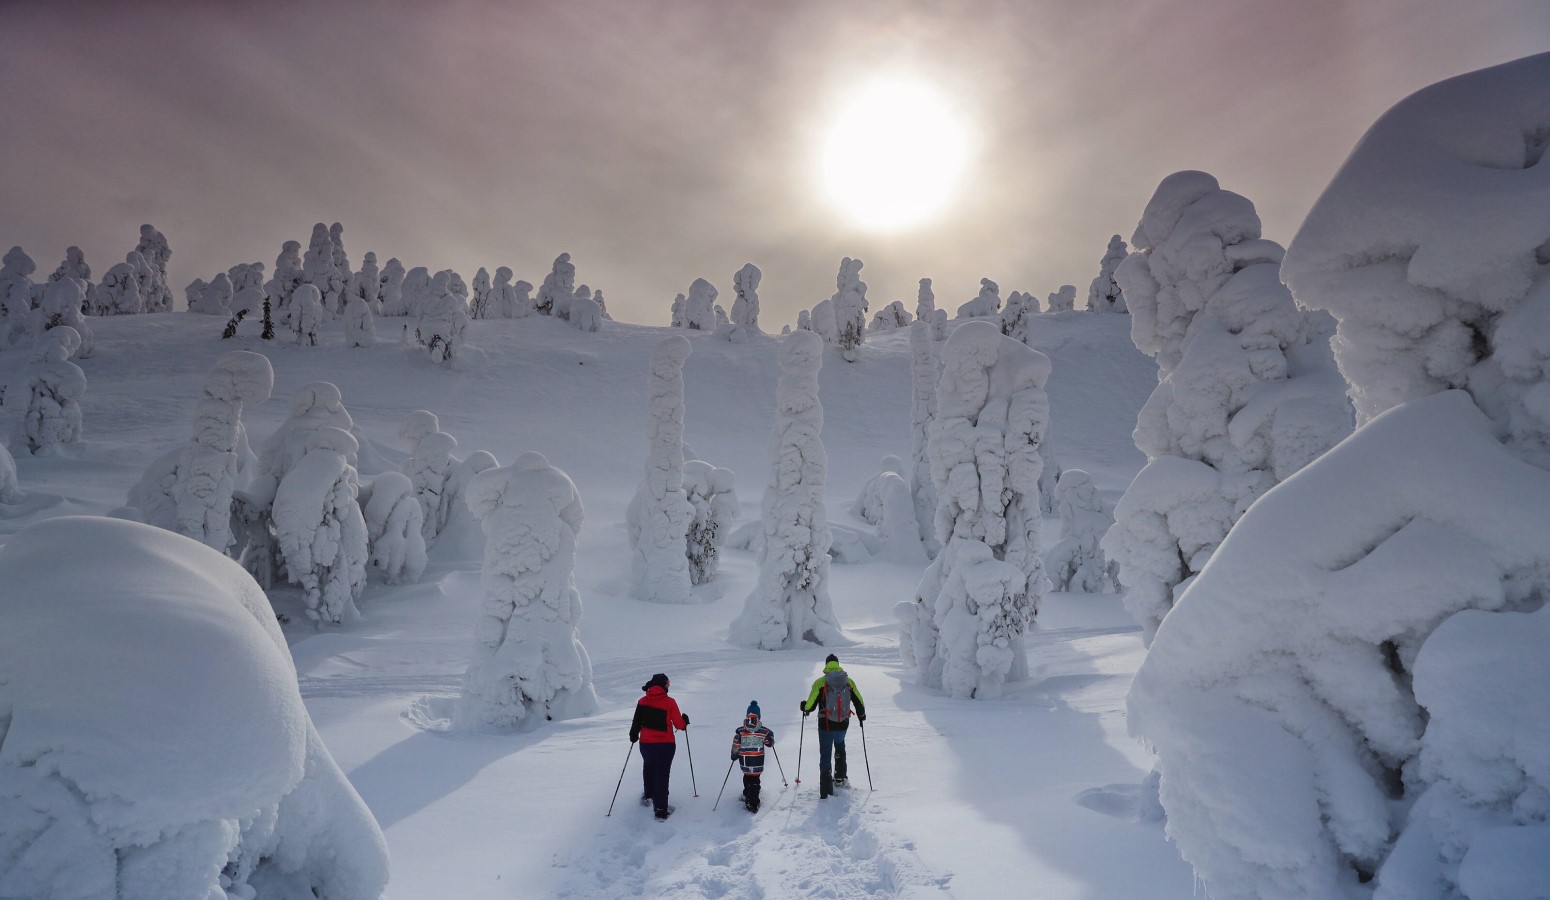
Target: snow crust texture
(153, 743)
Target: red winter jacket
(656, 715)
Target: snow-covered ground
(972, 799)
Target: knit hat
(831, 658)
(753, 707)
(658, 679)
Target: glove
(734, 757)
(634, 739)
(686, 721)
(802, 705)
(860, 714)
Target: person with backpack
(656, 715)
(748, 743)
(833, 695)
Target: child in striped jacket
(748, 743)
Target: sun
(894, 155)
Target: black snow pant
(656, 766)
(750, 789)
(830, 740)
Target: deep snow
(973, 799)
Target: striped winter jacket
(748, 743)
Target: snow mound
(153, 742)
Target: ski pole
(801, 735)
(865, 757)
(621, 779)
(690, 748)
(723, 786)
(782, 768)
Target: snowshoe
(841, 781)
(664, 813)
(645, 801)
(753, 805)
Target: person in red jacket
(656, 715)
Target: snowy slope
(973, 799)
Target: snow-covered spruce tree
(193, 292)
(61, 305)
(394, 525)
(53, 416)
(393, 299)
(979, 595)
(367, 284)
(191, 489)
(1063, 300)
(306, 315)
(660, 514)
(712, 493)
(1017, 318)
(528, 664)
(155, 252)
(745, 308)
(677, 316)
(318, 267)
(246, 275)
(891, 317)
(457, 286)
(503, 301)
(215, 299)
(925, 301)
(1247, 392)
(1049, 478)
(791, 602)
(1077, 563)
(699, 309)
(340, 281)
(417, 292)
(585, 314)
(869, 503)
(119, 292)
(804, 320)
(722, 322)
(360, 326)
(1375, 628)
(850, 306)
(247, 302)
(16, 289)
(443, 321)
(987, 304)
(413, 428)
(288, 275)
(924, 371)
(554, 294)
(1104, 294)
(9, 491)
(522, 303)
(75, 266)
(479, 304)
(429, 467)
(824, 323)
(319, 527)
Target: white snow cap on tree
(1063, 300)
(891, 317)
(119, 292)
(585, 314)
(367, 284)
(1374, 628)
(318, 267)
(924, 371)
(394, 523)
(522, 304)
(457, 286)
(53, 415)
(479, 304)
(417, 290)
(61, 305)
(360, 326)
(804, 320)
(1077, 563)
(1017, 319)
(987, 304)
(429, 467)
(823, 321)
(554, 295)
(677, 319)
(978, 596)
(414, 427)
(869, 503)
(246, 275)
(602, 305)
(289, 273)
(319, 527)
(190, 489)
(16, 290)
(74, 266)
(660, 514)
(1104, 294)
(306, 315)
(215, 299)
(925, 301)
(155, 251)
(850, 306)
(745, 309)
(699, 310)
(791, 602)
(443, 320)
(528, 664)
(340, 281)
(394, 301)
(712, 493)
(150, 672)
(1247, 391)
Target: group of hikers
(833, 696)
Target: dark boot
(825, 785)
(840, 770)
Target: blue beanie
(753, 707)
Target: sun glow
(894, 154)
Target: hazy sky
(662, 141)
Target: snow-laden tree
(246, 275)
(804, 320)
(1063, 300)
(457, 286)
(1017, 317)
(554, 295)
(394, 529)
(247, 302)
(367, 284)
(891, 317)
(215, 300)
(660, 514)
(850, 306)
(977, 598)
(1077, 563)
(73, 266)
(417, 291)
(602, 305)
(503, 299)
(869, 503)
(1049, 478)
(360, 326)
(1104, 294)
(699, 309)
(154, 252)
(429, 467)
(318, 268)
(745, 308)
(61, 305)
(413, 428)
(824, 323)
(340, 281)
(721, 317)
(119, 292)
(319, 527)
(394, 300)
(53, 416)
(191, 489)
(306, 315)
(193, 292)
(791, 602)
(676, 320)
(585, 314)
(925, 301)
(522, 303)
(987, 304)
(16, 290)
(9, 491)
(712, 492)
(528, 663)
(1373, 631)
(289, 273)
(1247, 392)
(924, 370)
(443, 321)
(479, 303)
